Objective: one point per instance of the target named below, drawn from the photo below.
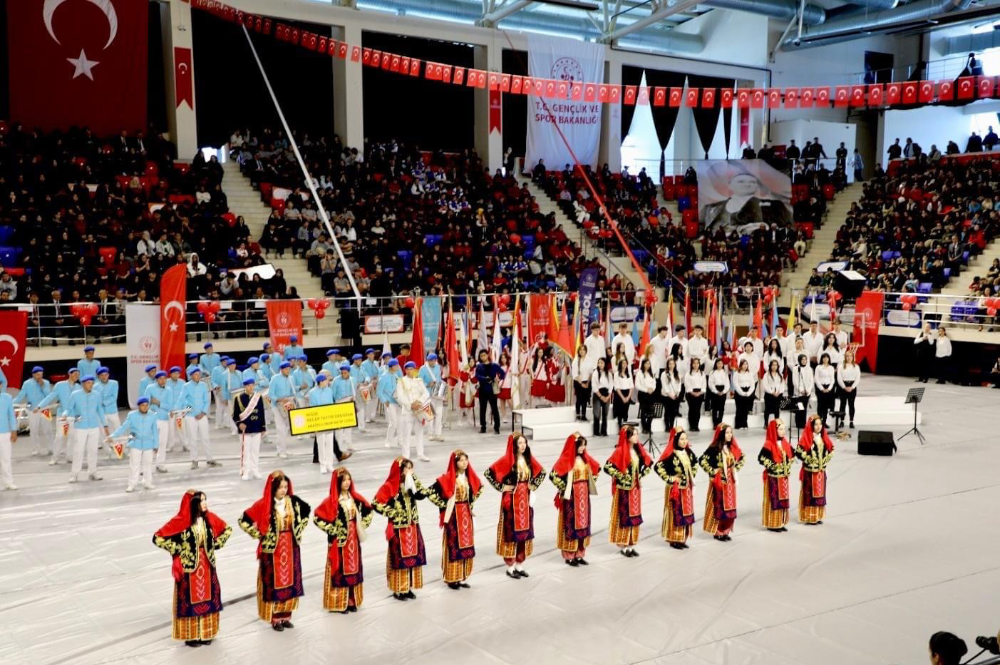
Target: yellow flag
(791, 313)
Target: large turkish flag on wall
(13, 330)
(173, 305)
(77, 62)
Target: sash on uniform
(521, 507)
(351, 550)
(201, 580)
(408, 544)
(284, 564)
(251, 407)
(581, 504)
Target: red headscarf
(182, 522)
(330, 507)
(447, 479)
(390, 488)
(502, 466)
(775, 445)
(669, 450)
(717, 440)
(806, 440)
(260, 511)
(564, 465)
(621, 458)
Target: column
(178, 75)
(348, 91)
(611, 123)
(488, 140)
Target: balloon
(992, 311)
(768, 297)
(588, 225)
(85, 320)
(322, 303)
(91, 308)
(311, 303)
(572, 297)
(209, 316)
(907, 307)
(515, 238)
(501, 307)
(505, 299)
(909, 298)
(319, 313)
(409, 303)
(202, 306)
(214, 307)
(76, 309)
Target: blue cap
(142, 400)
(432, 356)
(150, 368)
(284, 365)
(302, 357)
(345, 368)
(103, 370)
(194, 369)
(252, 360)
(223, 359)
(89, 377)
(37, 368)
(88, 348)
(320, 378)
(367, 351)
(73, 369)
(264, 357)
(330, 352)
(247, 382)
(410, 365)
(175, 368)
(293, 338)
(386, 355)
(337, 351)
(160, 374)
(266, 344)
(192, 356)
(357, 356)
(393, 363)
(208, 345)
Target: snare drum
(366, 393)
(439, 390)
(21, 417)
(426, 413)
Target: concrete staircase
(978, 267)
(822, 243)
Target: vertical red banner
(867, 317)
(13, 333)
(744, 126)
(496, 121)
(539, 311)
(173, 305)
(284, 320)
(183, 88)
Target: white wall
(830, 134)
(926, 125)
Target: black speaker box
(875, 443)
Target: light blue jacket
(208, 362)
(430, 375)
(3, 381)
(281, 387)
(332, 368)
(320, 396)
(166, 397)
(258, 377)
(87, 409)
(369, 370)
(293, 350)
(343, 389)
(232, 383)
(385, 391)
(192, 367)
(61, 393)
(8, 423)
(109, 395)
(32, 394)
(303, 377)
(195, 397)
(218, 379)
(142, 427)
(88, 367)
(275, 360)
(144, 383)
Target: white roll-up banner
(142, 341)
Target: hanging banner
(744, 126)
(538, 315)
(284, 319)
(183, 87)
(142, 344)
(742, 194)
(430, 310)
(588, 285)
(579, 121)
(496, 122)
(867, 315)
(173, 304)
(14, 327)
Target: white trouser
(86, 441)
(40, 427)
(211, 396)
(162, 436)
(439, 413)
(281, 423)
(114, 421)
(140, 461)
(392, 417)
(409, 424)
(345, 437)
(222, 413)
(62, 442)
(250, 456)
(359, 408)
(371, 406)
(197, 435)
(6, 471)
(324, 442)
(176, 436)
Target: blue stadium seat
(887, 255)
(6, 233)
(925, 287)
(947, 272)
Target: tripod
(915, 396)
(655, 413)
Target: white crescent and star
(166, 313)
(82, 66)
(5, 360)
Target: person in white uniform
(697, 347)
(141, 428)
(412, 395)
(661, 348)
(942, 355)
(86, 408)
(33, 391)
(814, 342)
(597, 347)
(8, 435)
(108, 388)
(195, 400)
(430, 374)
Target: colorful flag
(791, 312)
(497, 341)
(451, 344)
(564, 336)
(483, 343)
(687, 309)
(670, 311)
(515, 356)
(758, 319)
(417, 340)
(644, 340)
(774, 316)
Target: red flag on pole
(565, 337)
(644, 340)
(14, 325)
(417, 341)
(173, 303)
(687, 309)
(712, 332)
(758, 316)
(284, 320)
(451, 345)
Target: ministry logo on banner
(142, 342)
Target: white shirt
(847, 373)
(576, 370)
(792, 355)
(596, 348)
(670, 386)
(814, 342)
(768, 357)
(842, 338)
(683, 341)
(753, 362)
(719, 377)
(694, 380)
(773, 384)
(410, 390)
(744, 383)
(802, 380)
(942, 347)
(645, 383)
(661, 347)
(623, 382)
(758, 344)
(825, 377)
(835, 356)
(697, 347)
(628, 344)
(599, 381)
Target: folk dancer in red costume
(627, 465)
(776, 457)
(344, 515)
(191, 537)
(677, 466)
(721, 460)
(454, 493)
(406, 557)
(815, 449)
(277, 521)
(574, 474)
(516, 475)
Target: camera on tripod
(989, 644)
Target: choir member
(581, 382)
(848, 377)
(721, 460)
(672, 390)
(694, 392)
(832, 349)
(516, 475)
(800, 387)
(191, 537)
(601, 386)
(774, 353)
(677, 466)
(627, 465)
(825, 381)
(454, 493)
(344, 515)
(718, 390)
(645, 390)
(773, 387)
(406, 557)
(776, 457)
(539, 377)
(573, 474)
(277, 520)
(624, 386)
(744, 389)
(814, 450)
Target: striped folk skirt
(774, 510)
(405, 560)
(197, 603)
(677, 527)
(339, 598)
(718, 520)
(812, 498)
(626, 516)
(458, 548)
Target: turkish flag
(757, 98)
(893, 92)
(643, 97)
(366, 56)
(429, 73)
(505, 83)
(377, 58)
(822, 96)
(774, 98)
(791, 98)
(843, 96)
(946, 91)
(414, 67)
(910, 93)
(515, 85)
(986, 85)
(527, 85)
(857, 95)
(589, 92)
(14, 325)
(926, 93)
(614, 94)
(691, 98)
(493, 81)
(603, 93)
(458, 76)
(539, 85)
(78, 63)
(576, 92)
(356, 53)
(183, 87)
(446, 74)
(965, 85)
(630, 93)
(867, 316)
(173, 303)
(675, 96)
(396, 63)
(284, 319)
(743, 99)
(806, 98)
(404, 65)
(876, 94)
(727, 98)
(707, 98)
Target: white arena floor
(909, 546)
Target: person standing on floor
(718, 390)
(359, 381)
(406, 557)
(195, 399)
(773, 387)
(191, 538)
(385, 391)
(161, 402)
(344, 389)
(601, 384)
(574, 475)
(677, 466)
(488, 376)
(86, 408)
(777, 458)
(627, 465)
(413, 399)
(248, 414)
(825, 381)
(815, 450)
(141, 427)
(848, 378)
(624, 340)
(581, 382)
(326, 444)
(516, 476)
(277, 521)
(942, 355)
(210, 361)
(454, 493)
(624, 390)
(8, 436)
(281, 391)
(32, 392)
(645, 391)
(800, 387)
(229, 385)
(88, 364)
(344, 515)
(722, 460)
(430, 374)
(370, 376)
(108, 388)
(925, 353)
(744, 393)
(672, 392)
(695, 383)
(62, 436)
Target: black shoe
(775, 530)
(342, 611)
(522, 573)
(464, 585)
(634, 553)
(496, 431)
(783, 529)
(727, 538)
(685, 546)
(278, 626)
(411, 595)
(288, 624)
(512, 574)
(192, 643)
(454, 586)
(482, 430)
(721, 539)
(352, 608)
(819, 522)
(677, 546)
(851, 425)
(572, 562)
(205, 643)
(624, 552)
(399, 596)
(583, 562)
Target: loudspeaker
(875, 443)
(849, 283)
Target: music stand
(655, 412)
(915, 396)
(792, 405)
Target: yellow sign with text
(324, 418)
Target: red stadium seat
(669, 192)
(152, 168)
(806, 228)
(828, 192)
(182, 167)
(108, 255)
(278, 205)
(15, 272)
(691, 228)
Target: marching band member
(454, 493)
(333, 362)
(209, 362)
(370, 376)
(406, 556)
(248, 414)
(293, 350)
(645, 391)
(326, 444)
(216, 383)
(677, 466)
(412, 397)
(581, 382)
(161, 402)
(85, 406)
(718, 390)
(430, 374)
(264, 367)
(800, 380)
(773, 387)
(192, 364)
(231, 387)
(848, 377)
(813, 340)
(776, 457)
(194, 399)
(191, 538)
(516, 475)
(253, 371)
(303, 378)
(62, 435)
(672, 390)
(344, 516)
(32, 392)
(744, 389)
(344, 390)
(721, 461)
(815, 450)
(627, 465)
(825, 378)
(694, 393)
(281, 390)
(8, 435)
(359, 402)
(274, 359)
(147, 380)
(141, 427)
(108, 388)
(88, 364)
(176, 432)
(277, 521)
(573, 474)
(385, 391)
